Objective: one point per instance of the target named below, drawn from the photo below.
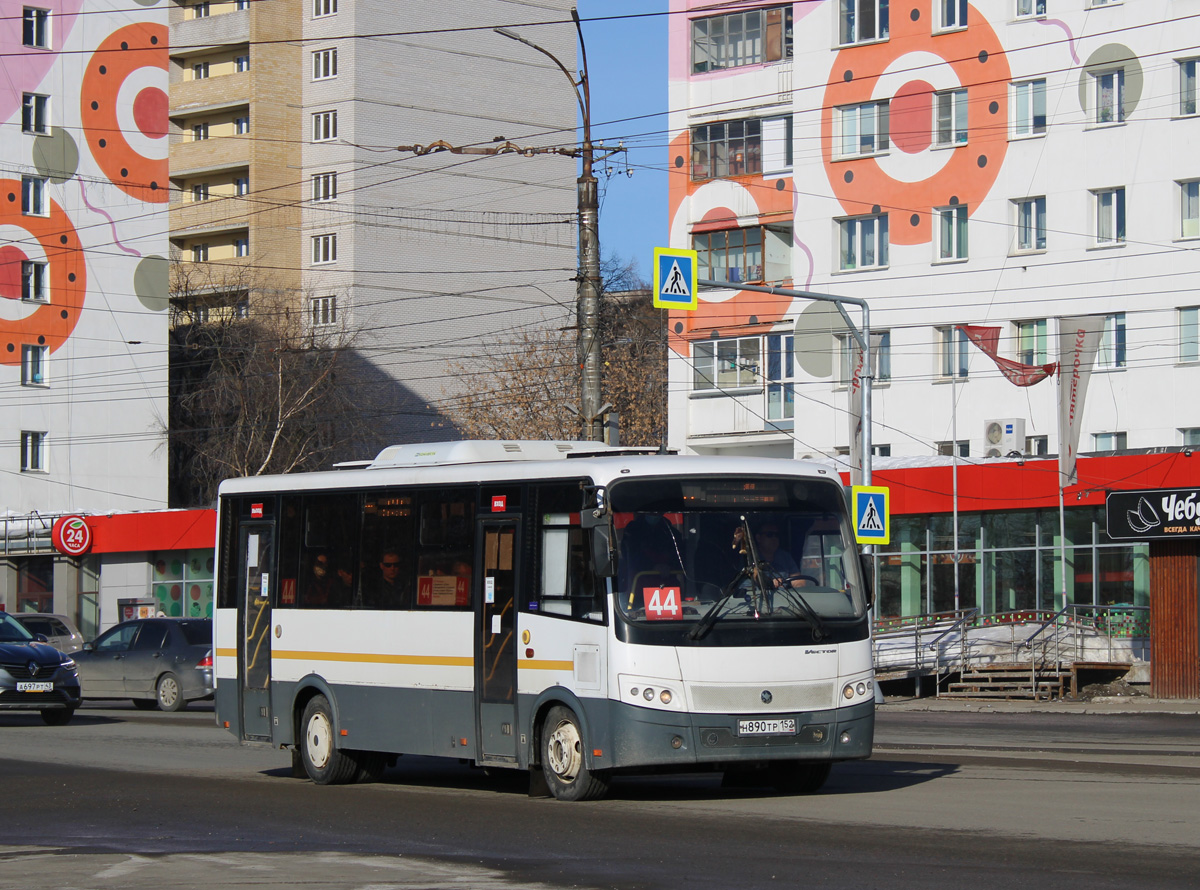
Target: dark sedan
(34, 676)
(159, 663)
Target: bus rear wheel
(324, 763)
(563, 759)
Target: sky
(627, 69)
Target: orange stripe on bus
(544, 665)
(366, 657)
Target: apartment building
(1002, 165)
(286, 118)
(83, 280)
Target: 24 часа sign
(1159, 513)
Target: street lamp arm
(579, 97)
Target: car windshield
(735, 551)
(11, 630)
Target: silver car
(34, 676)
(159, 663)
(59, 631)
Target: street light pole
(587, 276)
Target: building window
(1030, 7)
(1191, 436)
(199, 132)
(1110, 441)
(33, 281)
(756, 253)
(741, 38)
(1031, 342)
(1187, 87)
(862, 20)
(725, 364)
(241, 247)
(1112, 343)
(324, 311)
(861, 129)
(951, 124)
(33, 196)
(199, 253)
(201, 10)
(324, 126)
(781, 369)
(953, 351)
(863, 242)
(1189, 209)
(881, 357)
(241, 5)
(324, 248)
(1110, 96)
(36, 27)
(1037, 445)
(962, 447)
(33, 452)
(241, 186)
(200, 191)
(241, 64)
(1110, 215)
(324, 187)
(952, 232)
(1031, 224)
(241, 125)
(732, 148)
(1029, 107)
(1189, 334)
(33, 365)
(953, 14)
(324, 7)
(35, 113)
(200, 71)
(324, 64)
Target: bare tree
(532, 379)
(254, 383)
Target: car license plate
(35, 686)
(784, 726)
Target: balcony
(189, 96)
(212, 31)
(217, 214)
(209, 154)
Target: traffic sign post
(872, 514)
(675, 278)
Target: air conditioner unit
(1003, 437)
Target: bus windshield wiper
(796, 598)
(704, 625)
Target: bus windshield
(745, 550)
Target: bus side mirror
(866, 567)
(602, 553)
(597, 520)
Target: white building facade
(1002, 164)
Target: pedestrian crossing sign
(872, 514)
(675, 275)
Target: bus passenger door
(495, 640)
(255, 582)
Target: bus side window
(446, 549)
(568, 588)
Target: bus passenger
(390, 591)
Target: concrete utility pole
(587, 278)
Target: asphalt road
(128, 799)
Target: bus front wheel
(323, 762)
(563, 760)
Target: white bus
(559, 607)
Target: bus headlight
(665, 696)
(848, 692)
(648, 695)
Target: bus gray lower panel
(642, 736)
(225, 706)
(399, 721)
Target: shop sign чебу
(1158, 513)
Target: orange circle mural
(52, 322)
(123, 53)
(977, 60)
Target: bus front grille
(763, 698)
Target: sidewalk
(1124, 704)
